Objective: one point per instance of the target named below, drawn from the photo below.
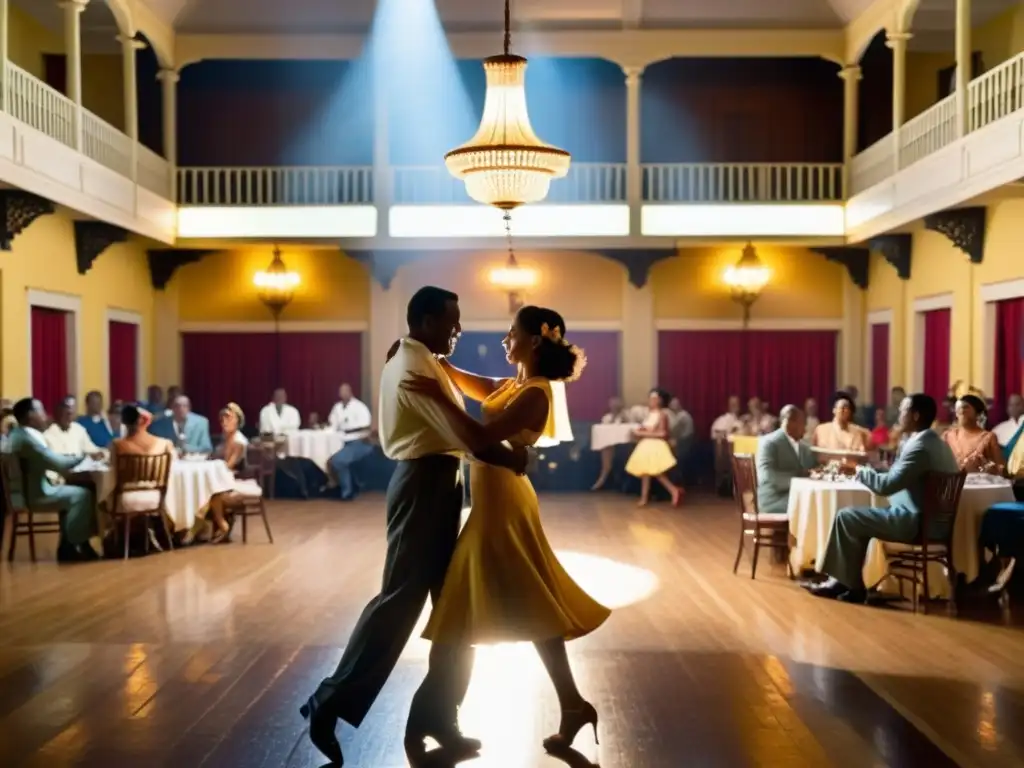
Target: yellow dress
(504, 583)
(653, 455)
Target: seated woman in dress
(841, 434)
(975, 449)
(137, 441)
(653, 455)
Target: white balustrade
(872, 166)
(928, 132)
(433, 184)
(154, 172)
(996, 93)
(34, 103)
(284, 185)
(742, 182)
(105, 144)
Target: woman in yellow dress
(841, 434)
(653, 455)
(504, 583)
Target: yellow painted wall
(102, 81)
(220, 288)
(43, 258)
(803, 284)
(938, 267)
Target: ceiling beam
(629, 47)
(632, 13)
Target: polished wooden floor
(201, 657)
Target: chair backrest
(942, 492)
(10, 478)
(261, 460)
(744, 483)
(139, 471)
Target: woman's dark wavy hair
(557, 359)
(847, 397)
(976, 403)
(130, 415)
(663, 395)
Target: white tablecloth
(605, 435)
(317, 445)
(813, 505)
(191, 485)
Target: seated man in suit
(35, 458)
(781, 456)
(189, 431)
(922, 451)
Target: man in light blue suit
(923, 451)
(781, 456)
(35, 459)
(189, 431)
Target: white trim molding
(780, 324)
(878, 317)
(572, 325)
(299, 326)
(921, 306)
(881, 317)
(130, 318)
(64, 302)
(991, 294)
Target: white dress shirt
(725, 425)
(1005, 431)
(411, 425)
(274, 423)
(351, 418)
(74, 441)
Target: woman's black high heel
(573, 721)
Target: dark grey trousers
(424, 505)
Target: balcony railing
(35, 103)
(990, 97)
(742, 182)
(284, 185)
(105, 144)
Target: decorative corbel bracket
(895, 249)
(164, 262)
(383, 265)
(855, 260)
(92, 238)
(637, 261)
(965, 228)
(18, 210)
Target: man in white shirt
(67, 437)
(729, 423)
(351, 417)
(1004, 431)
(279, 418)
(424, 508)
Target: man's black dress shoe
(450, 739)
(830, 589)
(321, 730)
(858, 596)
(76, 553)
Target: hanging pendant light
(505, 164)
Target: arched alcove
(875, 93)
(149, 94)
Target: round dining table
(317, 445)
(813, 505)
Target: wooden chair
(909, 563)
(247, 499)
(764, 529)
(140, 492)
(25, 520)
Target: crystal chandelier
(505, 164)
(276, 284)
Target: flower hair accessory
(550, 333)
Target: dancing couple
(497, 581)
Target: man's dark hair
(23, 408)
(93, 393)
(428, 301)
(925, 408)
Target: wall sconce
(514, 280)
(746, 279)
(276, 285)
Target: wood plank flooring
(202, 656)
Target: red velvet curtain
(219, 368)
(588, 397)
(51, 381)
(1008, 356)
(936, 353)
(880, 364)
(123, 361)
(703, 368)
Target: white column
(387, 310)
(3, 55)
(897, 41)
(381, 162)
(852, 341)
(131, 97)
(639, 341)
(850, 76)
(73, 47)
(169, 80)
(963, 65)
(634, 171)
